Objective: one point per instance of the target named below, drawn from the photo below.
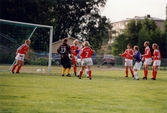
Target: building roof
(141, 18)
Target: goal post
(26, 30)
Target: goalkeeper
(64, 51)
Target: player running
(64, 51)
(147, 58)
(156, 60)
(86, 60)
(74, 49)
(20, 55)
(128, 54)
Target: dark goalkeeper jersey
(64, 50)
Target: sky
(117, 10)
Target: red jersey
(73, 49)
(86, 52)
(157, 55)
(147, 52)
(128, 54)
(23, 49)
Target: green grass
(108, 91)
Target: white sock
(86, 72)
(136, 75)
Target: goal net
(13, 34)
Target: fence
(118, 61)
(99, 60)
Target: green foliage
(164, 38)
(39, 61)
(120, 44)
(137, 32)
(66, 16)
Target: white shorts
(78, 62)
(86, 62)
(137, 65)
(157, 63)
(128, 62)
(148, 61)
(20, 57)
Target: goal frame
(41, 26)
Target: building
(55, 45)
(119, 26)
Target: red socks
(126, 72)
(18, 69)
(145, 73)
(154, 74)
(14, 67)
(75, 69)
(90, 73)
(80, 73)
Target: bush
(39, 61)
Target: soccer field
(108, 91)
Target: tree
(120, 44)
(131, 31)
(95, 32)
(66, 16)
(76, 20)
(164, 38)
(149, 32)
(137, 32)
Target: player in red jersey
(74, 49)
(20, 55)
(128, 54)
(156, 60)
(86, 60)
(147, 58)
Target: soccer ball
(92, 12)
(38, 70)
